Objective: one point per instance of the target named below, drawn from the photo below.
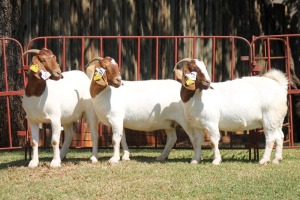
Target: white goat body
(62, 102)
(144, 106)
(242, 104)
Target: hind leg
(69, 133)
(279, 146)
(270, 139)
(171, 140)
(125, 148)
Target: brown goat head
(193, 75)
(106, 72)
(44, 64)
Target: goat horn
(36, 51)
(94, 59)
(183, 60)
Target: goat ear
(102, 81)
(36, 63)
(188, 84)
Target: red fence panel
(7, 91)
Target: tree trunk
(10, 12)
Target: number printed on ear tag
(45, 75)
(101, 71)
(34, 68)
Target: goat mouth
(204, 85)
(116, 85)
(56, 77)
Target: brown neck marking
(186, 94)
(35, 86)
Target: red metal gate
(7, 92)
(153, 57)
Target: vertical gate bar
(268, 54)
(138, 59)
(194, 47)
(120, 53)
(232, 57)
(213, 59)
(175, 53)
(82, 53)
(101, 47)
(7, 98)
(288, 72)
(6, 89)
(156, 58)
(64, 54)
(45, 42)
(100, 128)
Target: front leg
(197, 145)
(35, 145)
(56, 130)
(116, 139)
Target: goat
(138, 105)
(241, 104)
(60, 101)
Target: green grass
(143, 178)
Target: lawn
(144, 178)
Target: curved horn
(183, 60)
(94, 59)
(36, 51)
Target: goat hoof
(263, 162)
(160, 158)
(125, 157)
(276, 161)
(93, 159)
(33, 164)
(216, 162)
(194, 161)
(55, 163)
(114, 160)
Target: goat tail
(278, 76)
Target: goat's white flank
(144, 106)
(242, 104)
(62, 102)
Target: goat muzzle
(56, 75)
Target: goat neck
(37, 77)
(35, 86)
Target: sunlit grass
(143, 178)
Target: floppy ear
(100, 80)
(35, 67)
(186, 82)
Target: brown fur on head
(201, 79)
(106, 73)
(46, 61)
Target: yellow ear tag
(34, 68)
(97, 76)
(189, 82)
